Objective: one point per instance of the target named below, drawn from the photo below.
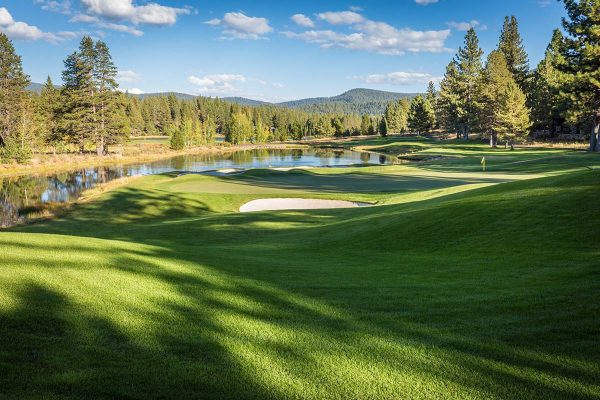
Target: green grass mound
(485, 287)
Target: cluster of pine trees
(89, 113)
(86, 111)
(506, 100)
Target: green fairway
(460, 284)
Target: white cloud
(57, 6)
(110, 14)
(22, 31)
(128, 76)
(373, 36)
(398, 78)
(131, 91)
(341, 17)
(278, 85)
(223, 85)
(216, 84)
(5, 17)
(106, 25)
(465, 26)
(237, 25)
(302, 20)
(425, 2)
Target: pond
(22, 194)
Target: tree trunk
(594, 138)
(466, 133)
(493, 139)
(100, 147)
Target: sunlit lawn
(463, 284)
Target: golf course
(474, 273)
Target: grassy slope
(160, 289)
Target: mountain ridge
(353, 101)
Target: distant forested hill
(355, 101)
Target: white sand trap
(298, 204)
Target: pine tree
(365, 124)
(420, 116)
(110, 126)
(470, 67)
(50, 106)
(210, 129)
(240, 129)
(511, 46)
(581, 65)
(432, 98)
(79, 95)
(512, 117)
(133, 112)
(547, 107)
(261, 131)
(177, 138)
(13, 82)
(372, 127)
(495, 80)
(402, 112)
(449, 99)
(392, 116)
(383, 127)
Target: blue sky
(269, 50)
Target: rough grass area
(461, 285)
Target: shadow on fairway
(283, 305)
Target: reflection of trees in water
(324, 153)
(365, 157)
(297, 154)
(18, 193)
(178, 163)
(26, 192)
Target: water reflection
(19, 195)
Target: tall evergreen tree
(512, 119)
(420, 116)
(402, 109)
(383, 127)
(432, 97)
(449, 99)
(545, 100)
(110, 126)
(495, 80)
(581, 64)
(13, 82)
(50, 106)
(365, 124)
(79, 121)
(511, 46)
(469, 66)
(391, 116)
(241, 129)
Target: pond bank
(65, 162)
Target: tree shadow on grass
(226, 335)
(355, 182)
(245, 307)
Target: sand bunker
(298, 204)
